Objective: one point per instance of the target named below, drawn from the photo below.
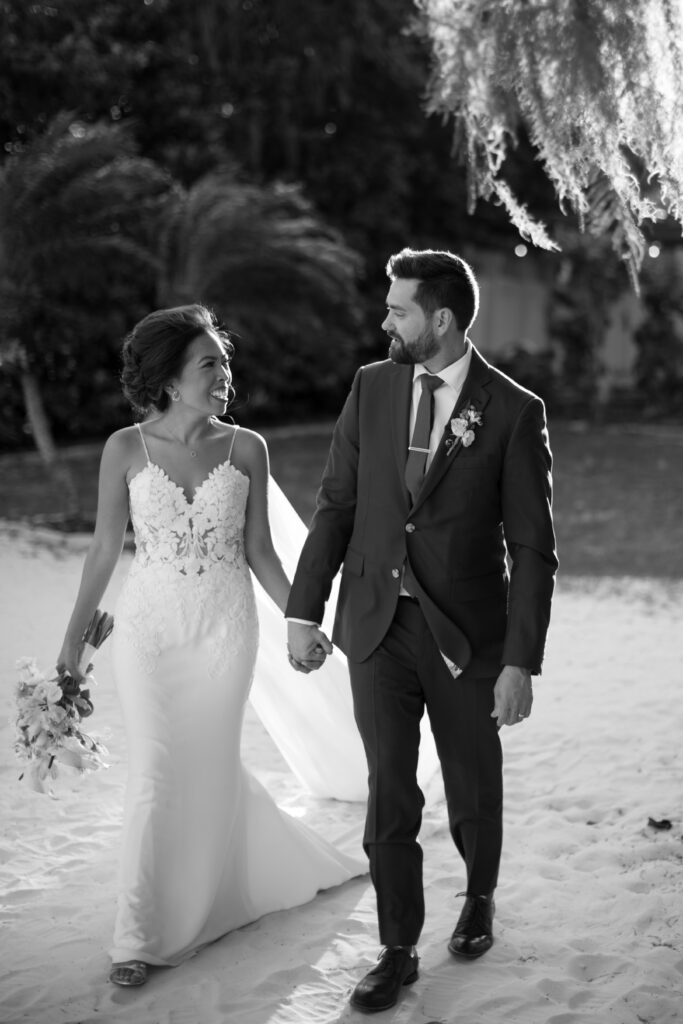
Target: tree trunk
(59, 472)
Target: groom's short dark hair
(445, 281)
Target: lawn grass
(618, 492)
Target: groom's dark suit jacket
(476, 502)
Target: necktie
(419, 443)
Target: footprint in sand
(20, 896)
(596, 966)
(553, 871)
(558, 991)
(564, 1018)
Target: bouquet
(50, 710)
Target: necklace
(193, 451)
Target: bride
(199, 831)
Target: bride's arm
(104, 550)
(262, 557)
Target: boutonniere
(462, 429)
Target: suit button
(410, 527)
(396, 573)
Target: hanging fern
(596, 84)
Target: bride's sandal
(130, 973)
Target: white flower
(53, 692)
(458, 426)
(48, 728)
(462, 429)
(29, 671)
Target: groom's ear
(442, 319)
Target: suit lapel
(474, 392)
(401, 393)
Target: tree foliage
(78, 220)
(321, 108)
(330, 95)
(659, 338)
(598, 89)
(114, 60)
(282, 280)
(584, 289)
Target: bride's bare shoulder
(249, 450)
(123, 447)
(249, 438)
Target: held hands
(307, 646)
(513, 696)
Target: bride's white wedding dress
(205, 848)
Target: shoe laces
(389, 953)
(477, 916)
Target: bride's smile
(204, 380)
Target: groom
(439, 468)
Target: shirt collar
(454, 374)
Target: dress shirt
(445, 397)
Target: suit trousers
(391, 689)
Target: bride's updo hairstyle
(155, 352)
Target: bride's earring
(175, 395)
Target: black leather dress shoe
(473, 933)
(380, 988)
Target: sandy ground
(590, 903)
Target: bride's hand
(67, 662)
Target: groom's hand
(513, 696)
(307, 646)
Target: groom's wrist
(302, 622)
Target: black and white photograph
(341, 511)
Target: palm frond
(283, 279)
(78, 216)
(225, 229)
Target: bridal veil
(310, 717)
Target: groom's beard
(418, 351)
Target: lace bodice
(188, 536)
(189, 579)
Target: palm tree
(78, 211)
(283, 280)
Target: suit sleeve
(530, 538)
(332, 523)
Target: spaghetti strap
(144, 443)
(232, 443)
